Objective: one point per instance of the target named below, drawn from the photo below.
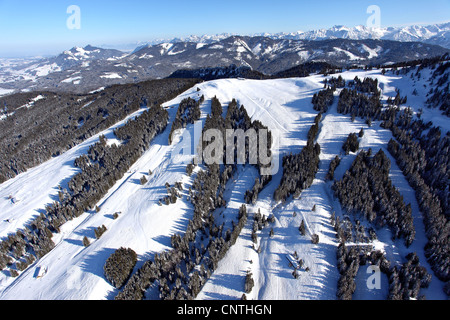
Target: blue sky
(30, 27)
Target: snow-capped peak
(438, 34)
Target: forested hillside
(99, 191)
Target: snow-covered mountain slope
(73, 271)
(270, 268)
(60, 71)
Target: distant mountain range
(90, 68)
(437, 34)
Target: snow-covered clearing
(4, 92)
(111, 75)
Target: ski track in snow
(284, 105)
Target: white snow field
(72, 271)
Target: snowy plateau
(72, 271)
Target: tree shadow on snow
(88, 232)
(135, 181)
(94, 262)
(74, 242)
(163, 240)
(218, 296)
(230, 281)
